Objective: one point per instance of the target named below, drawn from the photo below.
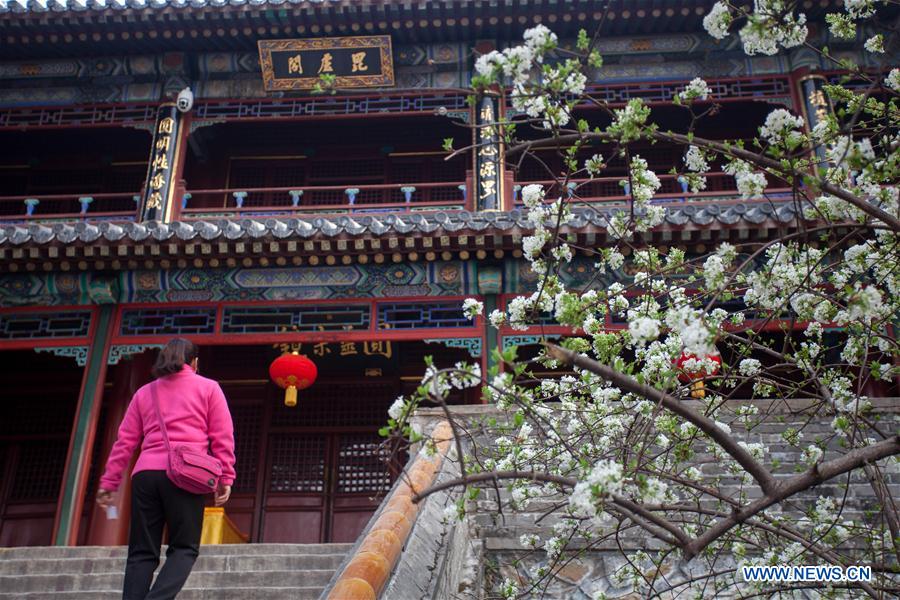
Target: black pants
(156, 502)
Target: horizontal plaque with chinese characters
(354, 62)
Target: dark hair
(177, 353)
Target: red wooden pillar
(129, 377)
(178, 168)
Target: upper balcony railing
(325, 199)
(69, 207)
(360, 199)
(673, 188)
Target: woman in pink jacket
(195, 411)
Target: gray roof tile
(711, 215)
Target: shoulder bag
(192, 471)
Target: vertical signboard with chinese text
(160, 186)
(816, 105)
(488, 156)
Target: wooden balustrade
(348, 199)
(610, 189)
(113, 206)
(324, 199)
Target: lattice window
(362, 466)
(448, 170)
(421, 315)
(245, 319)
(298, 463)
(39, 470)
(174, 321)
(125, 179)
(347, 170)
(247, 419)
(408, 171)
(65, 180)
(35, 326)
(334, 404)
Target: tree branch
(762, 476)
(654, 524)
(794, 485)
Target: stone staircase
(222, 572)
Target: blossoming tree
(622, 438)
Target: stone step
(202, 580)
(242, 593)
(30, 552)
(206, 562)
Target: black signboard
(816, 105)
(488, 157)
(157, 202)
(354, 62)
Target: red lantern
(695, 378)
(292, 371)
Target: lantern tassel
(697, 390)
(290, 395)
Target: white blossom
(398, 408)
(472, 308)
(749, 367)
(875, 44)
(533, 195)
(697, 89)
(893, 80)
(643, 330)
(497, 318)
(860, 9)
(509, 590)
(749, 184)
(780, 126)
(695, 161)
(594, 165)
(718, 20)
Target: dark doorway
(315, 472)
(37, 409)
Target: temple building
(168, 168)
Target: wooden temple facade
(261, 217)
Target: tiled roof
(696, 216)
(38, 6)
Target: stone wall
(471, 558)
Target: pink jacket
(195, 411)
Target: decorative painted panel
(526, 340)
(79, 353)
(473, 345)
(119, 352)
(453, 278)
(579, 273)
(168, 321)
(279, 319)
(422, 315)
(35, 326)
(57, 289)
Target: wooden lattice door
(323, 464)
(34, 440)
